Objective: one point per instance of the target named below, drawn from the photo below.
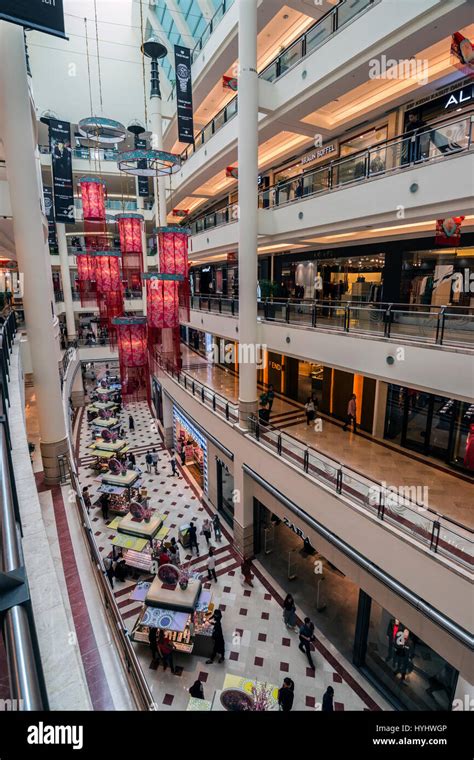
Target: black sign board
(143, 189)
(61, 160)
(49, 211)
(184, 94)
(43, 15)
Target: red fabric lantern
(162, 302)
(173, 250)
(93, 198)
(107, 272)
(133, 358)
(130, 230)
(86, 279)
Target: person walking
(206, 530)
(270, 397)
(109, 569)
(193, 538)
(351, 413)
(182, 455)
(216, 522)
(218, 638)
(148, 461)
(165, 649)
(211, 565)
(286, 695)
(306, 638)
(247, 572)
(310, 410)
(328, 697)
(155, 459)
(174, 464)
(289, 611)
(197, 690)
(104, 505)
(131, 423)
(152, 639)
(87, 498)
(173, 550)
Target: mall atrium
(237, 338)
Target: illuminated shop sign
(319, 154)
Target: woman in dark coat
(328, 700)
(218, 637)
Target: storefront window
(191, 447)
(437, 277)
(417, 676)
(225, 492)
(357, 167)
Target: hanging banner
(143, 189)
(462, 53)
(448, 231)
(49, 212)
(61, 161)
(43, 15)
(184, 94)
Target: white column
(157, 144)
(66, 281)
(248, 169)
(30, 231)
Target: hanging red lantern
(93, 195)
(86, 279)
(130, 230)
(133, 358)
(173, 249)
(162, 299)
(107, 272)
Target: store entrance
(191, 447)
(324, 593)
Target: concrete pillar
(243, 512)
(248, 170)
(168, 427)
(380, 406)
(30, 231)
(66, 281)
(77, 390)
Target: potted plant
(261, 698)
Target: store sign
(294, 528)
(184, 94)
(275, 366)
(448, 231)
(320, 154)
(460, 97)
(43, 15)
(61, 161)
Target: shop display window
(225, 492)
(413, 673)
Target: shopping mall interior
(236, 343)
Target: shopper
(174, 464)
(182, 455)
(197, 690)
(247, 572)
(132, 460)
(121, 571)
(211, 565)
(148, 461)
(165, 649)
(310, 410)
(328, 696)
(152, 636)
(206, 530)
(193, 538)
(131, 423)
(164, 558)
(351, 413)
(289, 611)
(306, 638)
(218, 637)
(155, 459)
(86, 498)
(270, 397)
(104, 502)
(411, 151)
(173, 550)
(286, 695)
(109, 569)
(216, 522)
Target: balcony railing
(434, 143)
(27, 685)
(434, 325)
(88, 154)
(439, 534)
(306, 44)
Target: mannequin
(392, 630)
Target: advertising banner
(448, 231)
(462, 54)
(143, 189)
(184, 94)
(61, 160)
(44, 15)
(49, 211)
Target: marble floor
(446, 493)
(258, 645)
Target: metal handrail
(204, 392)
(27, 685)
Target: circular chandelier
(148, 163)
(101, 130)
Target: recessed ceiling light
(286, 16)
